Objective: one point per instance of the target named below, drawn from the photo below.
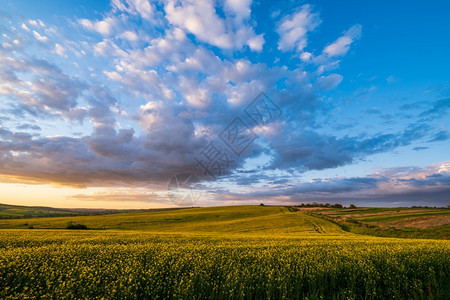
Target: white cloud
(256, 43)
(6, 45)
(130, 36)
(170, 48)
(239, 8)
(101, 48)
(200, 19)
(107, 47)
(143, 7)
(198, 98)
(305, 56)
(326, 66)
(200, 60)
(60, 50)
(135, 7)
(294, 28)
(113, 75)
(104, 27)
(41, 38)
(246, 36)
(36, 23)
(329, 82)
(342, 44)
(24, 27)
(197, 17)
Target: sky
(146, 104)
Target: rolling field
(14, 211)
(242, 252)
(24, 212)
(391, 222)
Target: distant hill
(8, 211)
(16, 211)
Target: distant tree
(337, 205)
(327, 205)
(261, 204)
(352, 206)
(70, 225)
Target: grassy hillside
(15, 211)
(390, 222)
(253, 220)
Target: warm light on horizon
(66, 197)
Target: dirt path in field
(309, 220)
(316, 227)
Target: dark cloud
(28, 126)
(391, 187)
(81, 162)
(308, 150)
(419, 148)
(442, 135)
(373, 111)
(336, 185)
(414, 106)
(437, 198)
(438, 109)
(170, 146)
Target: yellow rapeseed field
(267, 261)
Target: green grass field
(250, 220)
(240, 252)
(418, 222)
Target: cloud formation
(294, 28)
(403, 186)
(136, 93)
(342, 44)
(200, 19)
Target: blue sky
(103, 103)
